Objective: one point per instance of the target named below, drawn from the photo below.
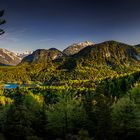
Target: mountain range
(110, 53)
(8, 58)
(24, 54)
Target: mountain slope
(110, 53)
(93, 62)
(8, 58)
(43, 55)
(75, 48)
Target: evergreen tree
(66, 116)
(125, 119)
(102, 117)
(2, 21)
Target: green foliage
(33, 102)
(94, 94)
(83, 135)
(17, 123)
(66, 116)
(125, 118)
(5, 101)
(25, 118)
(33, 138)
(102, 116)
(42, 113)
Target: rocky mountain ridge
(8, 57)
(76, 47)
(108, 53)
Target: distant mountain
(8, 58)
(75, 48)
(109, 53)
(22, 55)
(43, 55)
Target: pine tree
(2, 21)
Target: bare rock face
(8, 58)
(76, 47)
(24, 54)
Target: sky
(34, 24)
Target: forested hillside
(91, 95)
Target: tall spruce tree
(2, 21)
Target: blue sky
(33, 24)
